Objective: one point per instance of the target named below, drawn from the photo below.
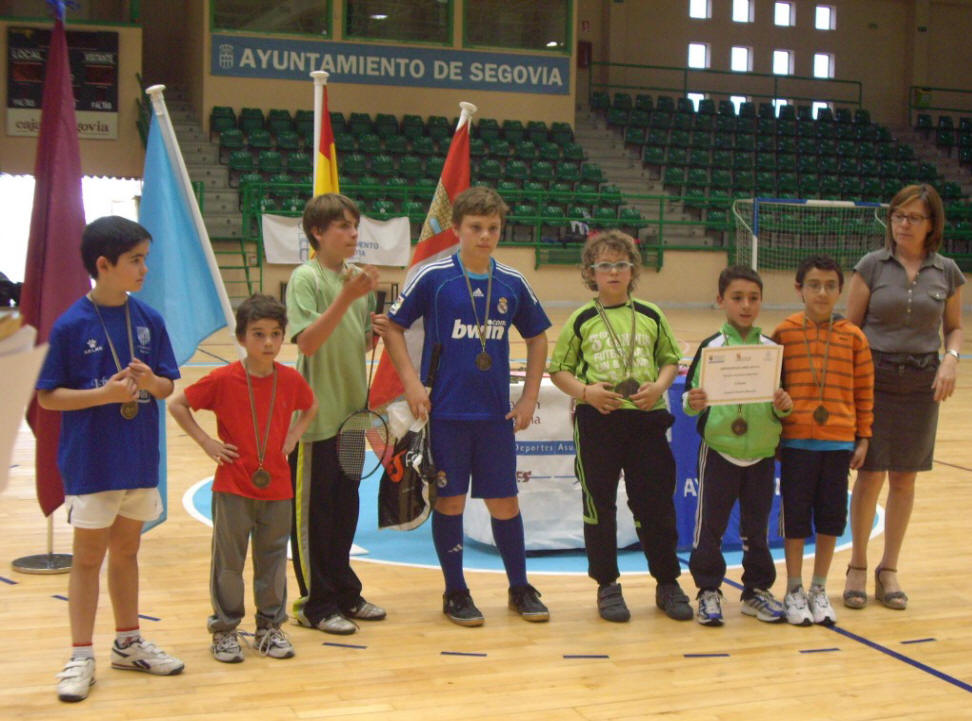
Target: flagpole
(175, 155)
(320, 80)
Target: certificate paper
(740, 373)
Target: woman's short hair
(933, 206)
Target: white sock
(85, 651)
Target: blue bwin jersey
(438, 294)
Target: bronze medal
(483, 361)
(628, 387)
(821, 414)
(260, 478)
(739, 426)
(129, 410)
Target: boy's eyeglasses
(912, 218)
(605, 267)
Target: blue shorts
(483, 450)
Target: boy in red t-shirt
(254, 401)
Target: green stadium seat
(787, 184)
(488, 129)
(721, 159)
(786, 145)
(643, 102)
(574, 151)
(623, 101)
(661, 121)
(230, 141)
(765, 161)
(439, 128)
(386, 125)
(951, 191)
(425, 145)
(665, 104)
(416, 210)
(543, 172)
(825, 115)
(871, 189)
(726, 108)
(927, 173)
(743, 161)
(516, 170)
(300, 163)
(411, 167)
(369, 143)
(288, 142)
(592, 172)
(567, 172)
(870, 168)
(269, 163)
(526, 150)
(433, 167)
(721, 179)
(674, 176)
(701, 139)
(600, 100)
(679, 139)
(743, 142)
(707, 106)
(513, 131)
(259, 139)
(697, 177)
(806, 164)
(725, 124)
(848, 166)
(219, 123)
(639, 119)
(550, 151)
(250, 119)
(353, 165)
(537, 131)
(412, 126)
(653, 155)
(683, 121)
(743, 182)
(634, 136)
(240, 162)
(359, 123)
(499, 148)
(829, 188)
(561, 133)
(677, 156)
(279, 120)
(396, 144)
(698, 158)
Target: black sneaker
(670, 599)
(525, 600)
(459, 607)
(610, 603)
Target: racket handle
(433, 365)
(380, 296)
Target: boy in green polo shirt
(329, 307)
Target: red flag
(437, 240)
(325, 162)
(55, 276)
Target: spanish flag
(325, 159)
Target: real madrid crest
(502, 305)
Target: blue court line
(342, 645)
(901, 657)
(460, 653)
(920, 640)
(819, 650)
(59, 597)
(8, 580)
(951, 465)
(148, 618)
(705, 655)
(245, 633)
(586, 655)
(14, 465)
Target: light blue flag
(180, 283)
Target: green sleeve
(666, 348)
(302, 299)
(566, 352)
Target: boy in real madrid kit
(469, 303)
(109, 360)
(617, 356)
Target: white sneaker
(274, 643)
(75, 680)
(763, 605)
(797, 607)
(141, 655)
(820, 607)
(226, 647)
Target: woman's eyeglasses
(912, 218)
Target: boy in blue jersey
(469, 302)
(617, 356)
(109, 360)
(736, 462)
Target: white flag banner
(380, 242)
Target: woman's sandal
(897, 600)
(852, 598)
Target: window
(302, 16)
(698, 55)
(737, 100)
(818, 106)
(696, 98)
(425, 21)
(782, 62)
(537, 25)
(742, 11)
(826, 18)
(784, 14)
(741, 59)
(701, 9)
(823, 65)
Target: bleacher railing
(722, 84)
(922, 99)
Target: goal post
(777, 233)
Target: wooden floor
(876, 664)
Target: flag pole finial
(155, 95)
(320, 76)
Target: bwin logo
(469, 330)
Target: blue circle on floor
(415, 548)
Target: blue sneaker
(763, 606)
(710, 608)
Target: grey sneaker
(710, 608)
(764, 606)
(823, 613)
(273, 642)
(797, 607)
(670, 598)
(611, 605)
(76, 679)
(335, 623)
(365, 611)
(140, 655)
(226, 647)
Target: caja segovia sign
(251, 57)
(93, 57)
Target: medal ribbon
(823, 369)
(627, 362)
(480, 329)
(260, 445)
(128, 327)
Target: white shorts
(99, 510)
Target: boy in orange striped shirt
(828, 373)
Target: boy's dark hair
(259, 307)
(109, 236)
(738, 272)
(609, 240)
(324, 209)
(478, 200)
(820, 262)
